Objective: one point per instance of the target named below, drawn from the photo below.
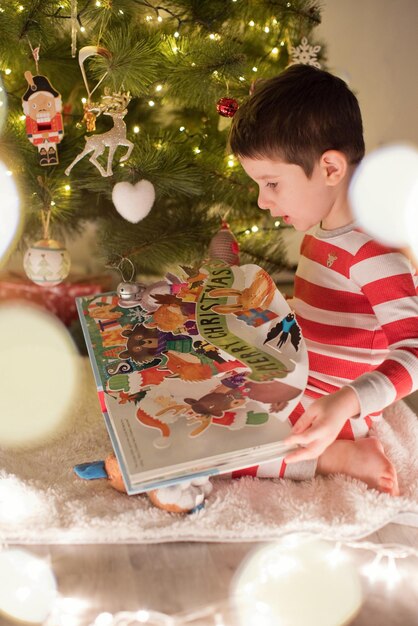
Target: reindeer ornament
(115, 106)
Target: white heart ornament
(133, 202)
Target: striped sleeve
(387, 280)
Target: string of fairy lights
(30, 587)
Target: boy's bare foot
(364, 459)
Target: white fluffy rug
(42, 501)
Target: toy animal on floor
(187, 496)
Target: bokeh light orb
(10, 216)
(384, 195)
(28, 587)
(39, 374)
(295, 581)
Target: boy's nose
(263, 203)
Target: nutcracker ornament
(42, 106)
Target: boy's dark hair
(298, 115)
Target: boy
(300, 138)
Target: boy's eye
(272, 185)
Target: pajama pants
(304, 470)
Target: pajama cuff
(303, 470)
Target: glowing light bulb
(151, 103)
(275, 50)
(197, 150)
(231, 163)
(82, 29)
(142, 616)
(182, 128)
(104, 619)
(159, 18)
(84, 100)
(266, 29)
(336, 556)
(372, 570)
(391, 574)
(22, 118)
(212, 36)
(255, 69)
(67, 187)
(52, 203)
(277, 223)
(254, 229)
(251, 23)
(158, 87)
(241, 78)
(248, 232)
(136, 129)
(148, 18)
(98, 3)
(176, 34)
(8, 71)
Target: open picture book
(196, 374)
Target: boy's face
(286, 191)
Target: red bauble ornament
(227, 107)
(224, 246)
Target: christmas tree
(162, 80)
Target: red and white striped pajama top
(357, 305)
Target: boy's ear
(333, 164)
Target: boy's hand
(321, 423)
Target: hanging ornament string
(35, 54)
(74, 25)
(83, 54)
(46, 208)
(86, 52)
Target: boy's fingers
(303, 454)
(302, 424)
(302, 438)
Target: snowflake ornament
(305, 54)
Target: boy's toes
(389, 484)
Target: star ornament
(305, 54)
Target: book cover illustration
(200, 376)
